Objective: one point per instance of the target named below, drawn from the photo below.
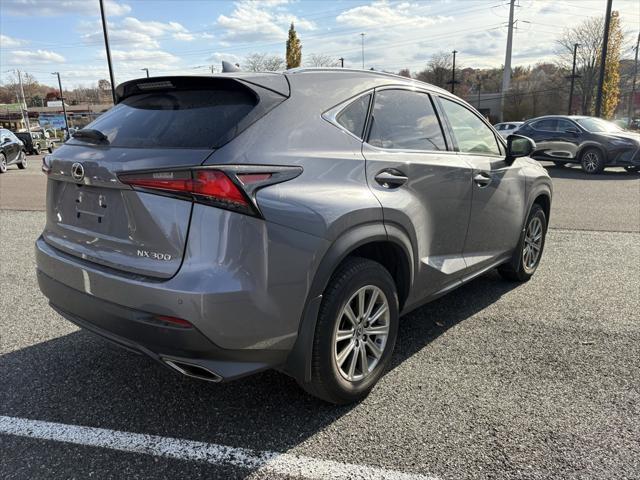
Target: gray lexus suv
(229, 224)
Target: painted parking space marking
(180, 449)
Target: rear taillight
(205, 186)
(231, 189)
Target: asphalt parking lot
(495, 380)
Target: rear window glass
(354, 116)
(175, 119)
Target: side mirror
(6, 140)
(519, 146)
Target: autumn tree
(294, 49)
(611, 85)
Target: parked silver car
(229, 224)
(507, 128)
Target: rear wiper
(91, 134)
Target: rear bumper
(245, 297)
(136, 330)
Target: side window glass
(403, 119)
(563, 125)
(547, 125)
(472, 134)
(354, 116)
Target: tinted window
(472, 134)
(405, 120)
(187, 119)
(548, 125)
(562, 125)
(354, 116)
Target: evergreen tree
(294, 49)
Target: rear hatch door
(167, 123)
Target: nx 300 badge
(154, 255)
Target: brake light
(202, 185)
(174, 321)
(232, 187)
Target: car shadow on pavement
(83, 380)
(576, 173)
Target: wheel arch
(587, 145)
(372, 241)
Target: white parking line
(262, 461)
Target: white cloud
(135, 33)
(40, 8)
(253, 21)
(7, 42)
(408, 15)
(36, 56)
(135, 57)
(184, 37)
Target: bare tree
(438, 70)
(589, 36)
(405, 72)
(321, 60)
(261, 62)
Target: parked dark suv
(228, 224)
(12, 151)
(592, 142)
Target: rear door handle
(482, 179)
(391, 178)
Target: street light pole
(362, 35)
(106, 44)
(479, 89)
(453, 72)
(573, 77)
(24, 102)
(64, 108)
(147, 70)
(603, 58)
(341, 62)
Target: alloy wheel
(591, 162)
(532, 244)
(361, 333)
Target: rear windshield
(176, 119)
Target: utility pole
(362, 35)
(146, 70)
(24, 102)
(341, 62)
(573, 77)
(603, 58)
(64, 108)
(106, 44)
(630, 110)
(453, 73)
(479, 89)
(506, 75)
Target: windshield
(595, 125)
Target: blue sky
(187, 36)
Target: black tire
(327, 382)
(516, 270)
(632, 169)
(559, 164)
(22, 164)
(50, 149)
(3, 163)
(592, 161)
(35, 151)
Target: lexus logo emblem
(77, 171)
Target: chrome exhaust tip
(192, 370)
